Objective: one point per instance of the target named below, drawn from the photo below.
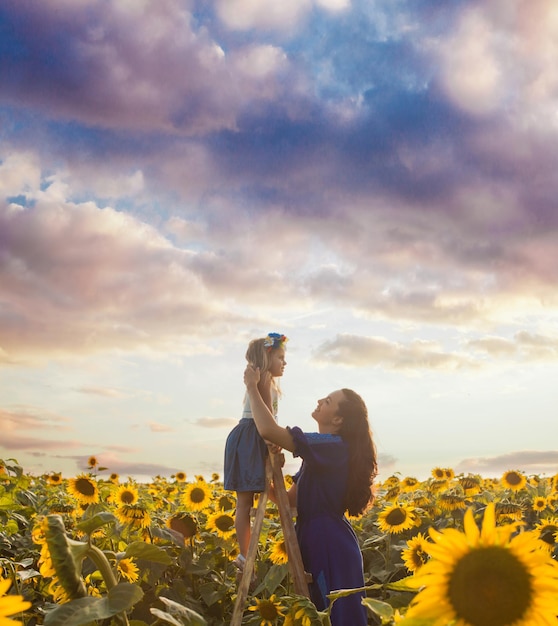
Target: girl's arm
(268, 428)
(264, 387)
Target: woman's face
(326, 411)
(277, 362)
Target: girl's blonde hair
(259, 353)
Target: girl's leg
(244, 503)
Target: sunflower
(128, 570)
(438, 485)
(180, 477)
(215, 477)
(484, 578)
(135, 515)
(471, 485)
(269, 610)
(438, 473)
(414, 555)
(197, 496)
(183, 523)
(126, 494)
(302, 612)
(451, 502)
(409, 483)
(225, 503)
(54, 479)
(114, 478)
(278, 554)
(92, 462)
(390, 482)
(508, 511)
(221, 523)
(84, 489)
(393, 493)
(449, 473)
(397, 517)
(539, 503)
(513, 480)
(10, 605)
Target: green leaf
(86, 610)
(404, 584)
(275, 577)
(97, 521)
(382, 609)
(147, 551)
(178, 612)
(166, 617)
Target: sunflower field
(98, 550)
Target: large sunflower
(486, 578)
(222, 524)
(197, 496)
(10, 605)
(84, 489)
(397, 517)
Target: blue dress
(245, 452)
(328, 544)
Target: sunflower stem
(99, 558)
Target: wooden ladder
(300, 578)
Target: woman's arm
(268, 428)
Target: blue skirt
(245, 454)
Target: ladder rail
(274, 473)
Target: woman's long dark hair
(363, 466)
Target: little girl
(245, 450)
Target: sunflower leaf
(97, 521)
(88, 609)
(382, 609)
(178, 614)
(147, 551)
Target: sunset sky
(376, 179)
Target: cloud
(30, 418)
(114, 64)
(215, 422)
(265, 14)
(104, 392)
(12, 442)
(523, 345)
(358, 351)
(156, 427)
(527, 461)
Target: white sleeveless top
(247, 412)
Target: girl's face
(277, 362)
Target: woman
(342, 448)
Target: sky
(376, 179)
